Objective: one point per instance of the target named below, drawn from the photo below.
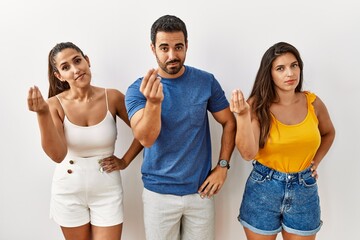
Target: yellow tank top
(291, 148)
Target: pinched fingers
(151, 87)
(35, 100)
(145, 80)
(30, 99)
(238, 104)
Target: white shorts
(81, 193)
(174, 217)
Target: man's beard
(171, 70)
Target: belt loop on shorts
(270, 174)
(300, 176)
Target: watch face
(223, 163)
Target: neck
(286, 98)
(82, 96)
(166, 75)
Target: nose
(76, 70)
(171, 54)
(289, 72)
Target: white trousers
(171, 217)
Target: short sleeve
(217, 101)
(134, 99)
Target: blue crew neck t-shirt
(180, 159)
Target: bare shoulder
(325, 124)
(116, 102)
(116, 98)
(319, 106)
(114, 94)
(320, 109)
(54, 103)
(55, 107)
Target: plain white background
(226, 38)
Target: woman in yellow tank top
(287, 132)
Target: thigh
(290, 236)
(77, 233)
(107, 233)
(198, 221)
(250, 235)
(162, 215)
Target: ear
(152, 48)
(58, 76)
(87, 59)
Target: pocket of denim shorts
(257, 176)
(309, 181)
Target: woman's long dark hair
(57, 86)
(263, 93)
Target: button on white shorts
(82, 193)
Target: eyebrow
(282, 65)
(166, 44)
(163, 45)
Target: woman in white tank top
(78, 131)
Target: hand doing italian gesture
(151, 87)
(36, 102)
(238, 104)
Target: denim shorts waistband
(281, 176)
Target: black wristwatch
(224, 163)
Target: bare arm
(214, 182)
(51, 127)
(327, 131)
(146, 123)
(248, 129)
(112, 163)
(227, 120)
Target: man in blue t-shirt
(168, 111)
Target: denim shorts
(274, 201)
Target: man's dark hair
(168, 23)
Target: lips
(172, 63)
(290, 81)
(80, 76)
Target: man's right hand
(152, 88)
